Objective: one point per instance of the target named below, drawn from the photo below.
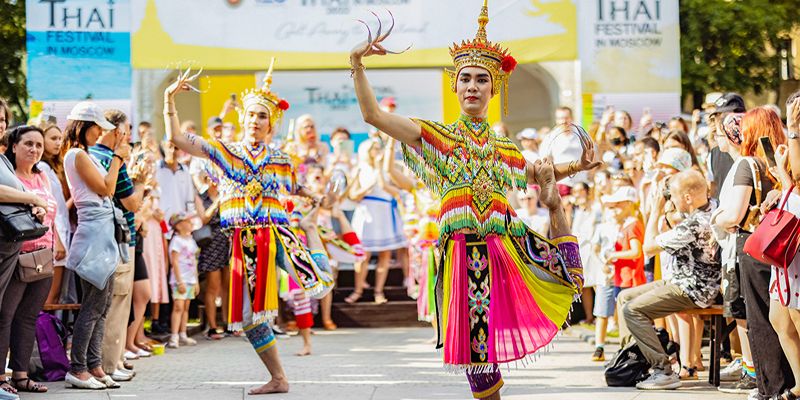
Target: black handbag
(17, 222)
(203, 236)
(122, 233)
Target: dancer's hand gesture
(373, 45)
(182, 84)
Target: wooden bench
(68, 308)
(719, 330)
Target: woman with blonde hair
(376, 220)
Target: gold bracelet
(356, 68)
(572, 169)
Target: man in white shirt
(175, 184)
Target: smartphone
(769, 152)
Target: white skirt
(378, 224)
(778, 280)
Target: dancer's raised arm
(185, 141)
(397, 126)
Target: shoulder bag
(17, 222)
(776, 241)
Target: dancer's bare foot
(305, 352)
(273, 386)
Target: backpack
(52, 364)
(629, 366)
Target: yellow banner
(318, 34)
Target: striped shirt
(124, 188)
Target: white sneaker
(660, 381)
(73, 381)
(129, 355)
(173, 343)
(187, 341)
(732, 372)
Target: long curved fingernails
(402, 51)
(369, 32)
(391, 27)
(380, 27)
(195, 75)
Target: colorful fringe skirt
(425, 257)
(500, 299)
(257, 255)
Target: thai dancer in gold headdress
(502, 291)
(255, 179)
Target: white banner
(241, 34)
(330, 98)
(630, 46)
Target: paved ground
(370, 364)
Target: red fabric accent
(457, 346)
(238, 275)
(262, 250)
(236, 286)
(304, 320)
(164, 228)
(629, 273)
(351, 238)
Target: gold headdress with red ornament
(265, 97)
(480, 52)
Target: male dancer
(503, 292)
(255, 177)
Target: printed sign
(78, 49)
(319, 34)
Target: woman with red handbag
(763, 362)
(784, 293)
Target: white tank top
(80, 191)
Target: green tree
(12, 54)
(729, 45)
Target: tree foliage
(729, 45)
(12, 54)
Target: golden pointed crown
(480, 52)
(264, 96)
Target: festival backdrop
(318, 34)
(630, 57)
(77, 50)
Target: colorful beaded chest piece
(470, 169)
(252, 181)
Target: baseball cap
(729, 102)
(179, 217)
(214, 122)
(527, 134)
(624, 193)
(711, 99)
(679, 159)
(89, 111)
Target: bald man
(695, 281)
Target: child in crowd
(605, 302)
(626, 258)
(183, 253)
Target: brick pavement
(370, 364)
